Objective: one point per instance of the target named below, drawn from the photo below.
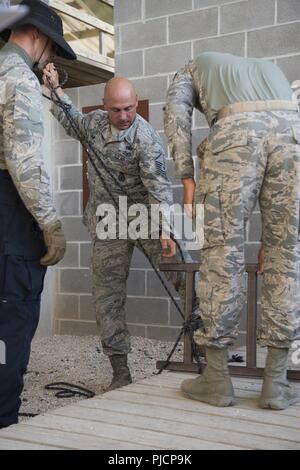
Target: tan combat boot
(121, 372)
(214, 386)
(276, 393)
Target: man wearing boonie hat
(31, 236)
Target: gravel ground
(79, 360)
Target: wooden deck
(152, 414)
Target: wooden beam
(82, 16)
(108, 2)
(85, 34)
(84, 7)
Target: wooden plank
(82, 16)
(175, 401)
(154, 415)
(122, 432)
(66, 437)
(11, 444)
(108, 2)
(204, 431)
(204, 417)
(244, 400)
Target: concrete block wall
(156, 37)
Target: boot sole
(214, 400)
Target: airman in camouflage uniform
(133, 153)
(252, 154)
(31, 237)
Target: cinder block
(288, 10)
(156, 116)
(290, 67)
(153, 89)
(167, 59)
(67, 203)
(91, 95)
(130, 10)
(55, 179)
(231, 43)
(75, 230)
(66, 153)
(275, 41)
(140, 35)
(211, 3)
(171, 172)
(87, 310)
(67, 306)
(77, 328)
(166, 7)
(194, 25)
(129, 64)
(137, 330)
(71, 177)
(73, 94)
(163, 334)
(118, 39)
(139, 260)
(71, 258)
(155, 287)
(147, 311)
(175, 317)
(136, 282)
(164, 141)
(199, 119)
(85, 255)
(255, 228)
(251, 252)
(77, 281)
(247, 15)
(178, 195)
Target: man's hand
(51, 79)
(168, 247)
(260, 260)
(188, 195)
(56, 244)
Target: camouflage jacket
(135, 157)
(21, 133)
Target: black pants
(21, 284)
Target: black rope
(66, 390)
(94, 155)
(63, 390)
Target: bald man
(134, 154)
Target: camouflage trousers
(110, 268)
(250, 158)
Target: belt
(250, 106)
